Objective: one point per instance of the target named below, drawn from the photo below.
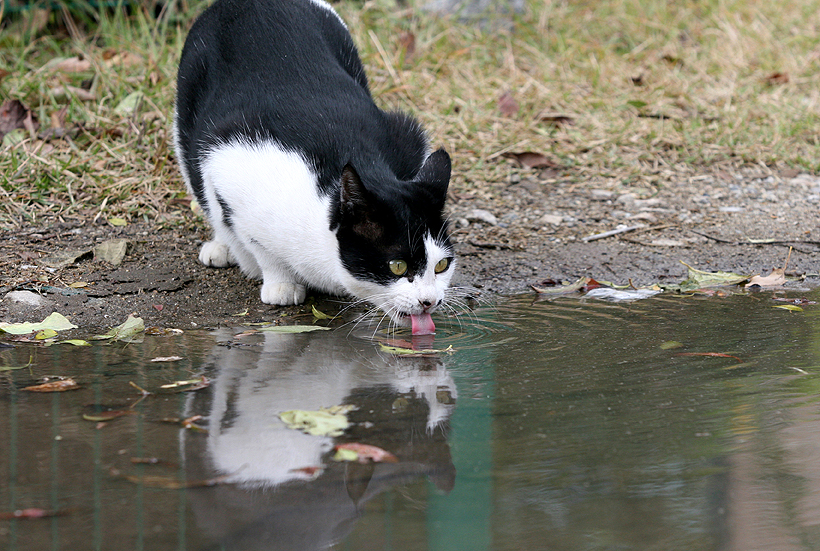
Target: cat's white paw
(216, 254)
(283, 294)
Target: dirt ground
(509, 235)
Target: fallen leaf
(163, 331)
(65, 91)
(554, 119)
(55, 321)
(67, 257)
(75, 342)
(293, 328)
(699, 279)
(620, 295)
(399, 351)
(112, 251)
(126, 331)
(775, 279)
(530, 159)
(407, 41)
(104, 416)
(507, 104)
(187, 385)
(119, 222)
(130, 103)
(167, 359)
(45, 334)
(671, 345)
(78, 284)
(791, 307)
(777, 78)
(324, 422)
(13, 115)
(364, 453)
(318, 314)
(562, 289)
(54, 386)
(69, 65)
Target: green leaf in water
(125, 331)
(75, 342)
(44, 334)
(319, 315)
(399, 351)
(790, 307)
(698, 279)
(293, 328)
(671, 345)
(54, 321)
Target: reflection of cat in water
(270, 503)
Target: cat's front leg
(216, 254)
(279, 288)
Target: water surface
(560, 425)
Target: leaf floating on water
(108, 415)
(325, 422)
(45, 334)
(163, 331)
(167, 359)
(775, 279)
(699, 279)
(54, 321)
(671, 345)
(562, 289)
(790, 307)
(617, 295)
(399, 351)
(188, 385)
(709, 354)
(363, 453)
(61, 385)
(125, 331)
(74, 342)
(293, 328)
(318, 314)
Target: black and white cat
(305, 181)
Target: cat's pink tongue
(423, 324)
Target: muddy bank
(509, 235)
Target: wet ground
(668, 423)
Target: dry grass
(649, 85)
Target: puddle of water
(554, 425)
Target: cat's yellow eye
(398, 267)
(442, 265)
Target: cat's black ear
(356, 205)
(435, 174)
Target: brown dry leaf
(124, 59)
(54, 386)
(63, 91)
(407, 41)
(3, 74)
(72, 65)
(14, 115)
(531, 159)
(775, 279)
(556, 119)
(777, 78)
(507, 104)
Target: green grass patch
(644, 85)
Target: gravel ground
(509, 235)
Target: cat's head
(394, 243)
